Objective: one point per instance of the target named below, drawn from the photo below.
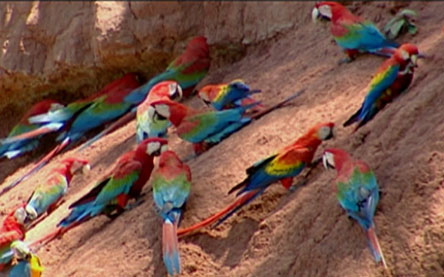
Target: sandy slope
(305, 233)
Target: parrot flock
(229, 107)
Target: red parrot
(282, 166)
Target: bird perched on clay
(358, 193)
(229, 95)
(352, 33)
(282, 167)
(187, 70)
(147, 125)
(391, 80)
(200, 127)
(171, 188)
(26, 263)
(13, 228)
(82, 116)
(11, 148)
(48, 196)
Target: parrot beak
(328, 160)
(86, 168)
(31, 212)
(414, 59)
(20, 249)
(315, 15)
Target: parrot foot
(294, 187)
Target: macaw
(48, 195)
(357, 192)
(110, 196)
(171, 188)
(13, 228)
(206, 128)
(97, 110)
(147, 126)
(229, 95)
(281, 166)
(26, 263)
(352, 33)
(199, 127)
(391, 80)
(11, 148)
(188, 70)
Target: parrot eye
(153, 148)
(325, 133)
(328, 160)
(175, 91)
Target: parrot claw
(295, 187)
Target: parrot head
(407, 54)
(167, 110)
(168, 88)
(326, 11)
(74, 165)
(41, 108)
(20, 215)
(322, 131)
(153, 146)
(20, 249)
(334, 158)
(208, 93)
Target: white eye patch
(325, 10)
(163, 110)
(164, 148)
(153, 147)
(151, 111)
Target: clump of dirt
(280, 233)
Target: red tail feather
(374, 243)
(215, 217)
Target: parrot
(171, 188)
(199, 127)
(282, 166)
(188, 70)
(13, 228)
(12, 149)
(26, 264)
(125, 181)
(223, 96)
(47, 196)
(104, 107)
(391, 80)
(352, 33)
(146, 127)
(358, 193)
(206, 128)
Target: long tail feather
(37, 166)
(170, 247)
(352, 118)
(236, 205)
(375, 247)
(111, 128)
(48, 128)
(278, 105)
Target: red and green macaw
(147, 126)
(391, 80)
(13, 228)
(357, 192)
(187, 70)
(125, 181)
(82, 116)
(352, 33)
(229, 95)
(47, 196)
(282, 167)
(11, 148)
(26, 263)
(171, 188)
(200, 127)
